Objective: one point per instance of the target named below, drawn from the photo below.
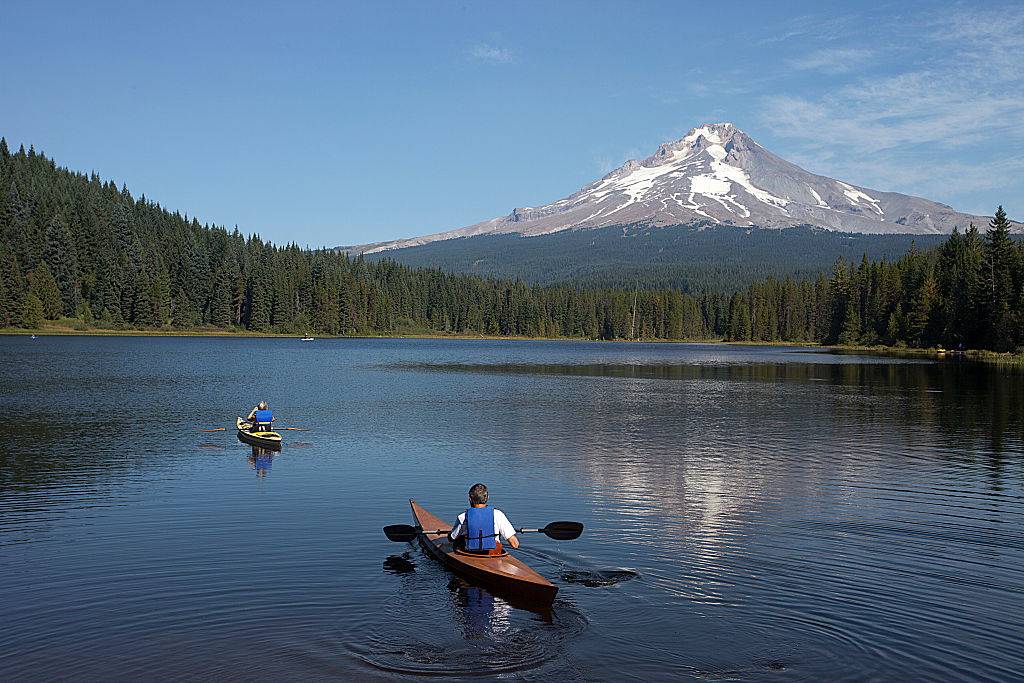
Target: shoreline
(69, 331)
(61, 331)
(976, 355)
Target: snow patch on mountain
(817, 198)
(729, 174)
(856, 196)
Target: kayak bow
(503, 573)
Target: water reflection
(806, 481)
(480, 614)
(952, 397)
(843, 518)
(476, 633)
(262, 459)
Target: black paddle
(559, 531)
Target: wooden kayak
(504, 573)
(264, 439)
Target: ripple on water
(598, 578)
(491, 637)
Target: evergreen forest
(80, 250)
(691, 258)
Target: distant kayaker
(482, 528)
(260, 417)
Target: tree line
(77, 247)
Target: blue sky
(337, 123)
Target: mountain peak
(723, 135)
(712, 132)
(717, 174)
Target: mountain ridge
(715, 175)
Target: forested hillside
(74, 246)
(691, 258)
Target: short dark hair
(478, 493)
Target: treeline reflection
(955, 398)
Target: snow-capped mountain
(717, 174)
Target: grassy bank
(976, 355)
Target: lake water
(751, 513)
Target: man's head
(262, 405)
(478, 494)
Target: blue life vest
(480, 529)
(264, 416)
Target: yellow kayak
(264, 439)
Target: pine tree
(919, 315)
(971, 285)
(220, 303)
(59, 254)
(12, 291)
(1000, 263)
(740, 328)
(839, 303)
(258, 304)
(44, 287)
(184, 309)
(850, 329)
(894, 327)
(16, 230)
(34, 313)
(159, 298)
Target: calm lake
(751, 513)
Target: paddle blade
(563, 531)
(402, 533)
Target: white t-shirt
(502, 527)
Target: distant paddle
(218, 429)
(559, 531)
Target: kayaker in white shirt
(475, 537)
(260, 417)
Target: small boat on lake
(308, 338)
(266, 439)
(503, 573)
